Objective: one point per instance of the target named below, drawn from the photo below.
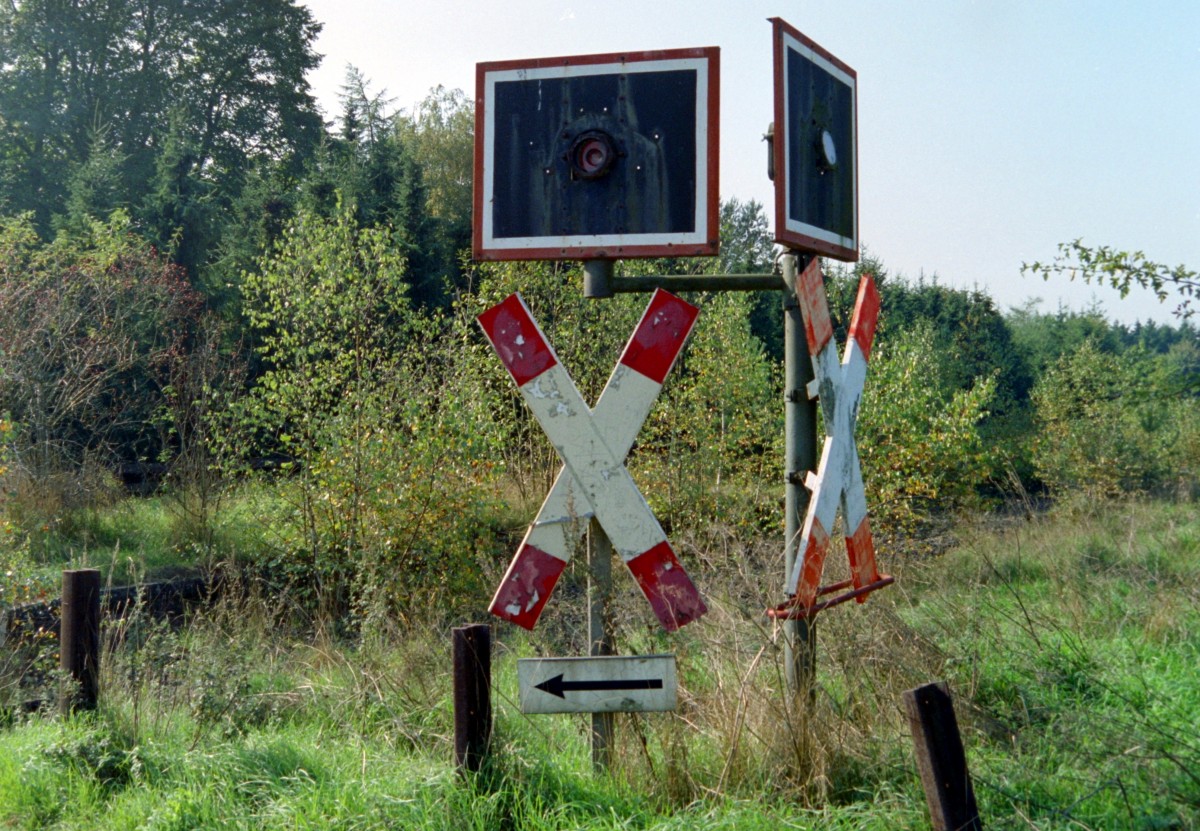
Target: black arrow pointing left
(557, 686)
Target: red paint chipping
(521, 346)
(814, 564)
(671, 593)
(660, 335)
(810, 291)
(861, 549)
(866, 315)
(527, 586)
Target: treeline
(197, 271)
(195, 119)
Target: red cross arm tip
(810, 292)
(527, 586)
(671, 593)
(660, 335)
(522, 347)
(866, 315)
(860, 548)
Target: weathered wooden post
(79, 639)
(941, 759)
(472, 695)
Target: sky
(989, 131)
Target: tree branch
(1122, 270)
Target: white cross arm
(838, 481)
(592, 446)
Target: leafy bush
(712, 448)
(388, 503)
(919, 438)
(92, 329)
(89, 331)
(1112, 423)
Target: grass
(133, 540)
(1075, 643)
(1070, 642)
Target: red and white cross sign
(592, 445)
(838, 479)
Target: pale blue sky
(988, 131)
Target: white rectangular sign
(610, 684)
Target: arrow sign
(557, 686)
(609, 684)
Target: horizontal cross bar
(687, 282)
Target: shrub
(387, 490)
(1114, 423)
(918, 438)
(712, 447)
(91, 330)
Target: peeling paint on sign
(838, 480)
(593, 445)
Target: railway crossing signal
(815, 147)
(593, 445)
(606, 156)
(838, 480)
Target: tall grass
(1070, 644)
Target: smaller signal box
(597, 156)
(816, 148)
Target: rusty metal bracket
(793, 611)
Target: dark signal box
(597, 156)
(816, 147)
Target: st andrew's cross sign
(838, 480)
(593, 445)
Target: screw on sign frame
(592, 445)
(838, 479)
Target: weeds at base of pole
(1069, 644)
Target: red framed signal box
(816, 147)
(597, 156)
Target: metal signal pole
(800, 419)
(600, 635)
(800, 452)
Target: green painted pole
(800, 452)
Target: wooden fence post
(941, 759)
(79, 639)
(472, 695)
